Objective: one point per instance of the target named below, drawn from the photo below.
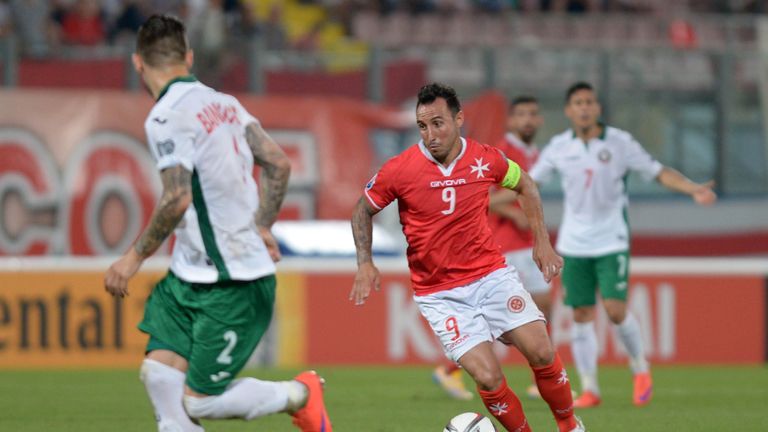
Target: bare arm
(367, 276)
(276, 168)
(502, 197)
(362, 230)
(500, 203)
(701, 193)
(275, 171)
(176, 197)
(548, 261)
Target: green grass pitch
(401, 399)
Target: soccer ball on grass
(470, 422)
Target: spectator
(84, 24)
(570, 6)
(310, 40)
(5, 18)
(32, 25)
(417, 7)
(386, 7)
(272, 30)
(170, 7)
(208, 34)
(632, 6)
(128, 20)
(490, 6)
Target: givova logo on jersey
(448, 182)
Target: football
(470, 422)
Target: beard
(527, 137)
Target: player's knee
(541, 355)
(489, 379)
(201, 407)
(616, 315)
(583, 314)
(616, 311)
(156, 374)
(616, 318)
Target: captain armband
(512, 177)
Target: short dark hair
(162, 41)
(581, 85)
(430, 92)
(522, 99)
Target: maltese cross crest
(499, 409)
(479, 168)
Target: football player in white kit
(593, 161)
(206, 316)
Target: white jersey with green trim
(204, 130)
(593, 177)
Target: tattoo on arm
(276, 168)
(362, 230)
(177, 194)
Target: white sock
(165, 387)
(248, 398)
(584, 350)
(629, 332)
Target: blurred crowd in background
(43, 26)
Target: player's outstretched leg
(449, 377)
(312, 417)
(248, 398)
(165, 387)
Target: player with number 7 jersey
(594, 161)
(461, 283)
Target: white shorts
(533, 279)
(481, 311)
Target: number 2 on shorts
(231, 338)
(452, 326)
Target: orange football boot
(312, 417)
(587, 399)
(643, 389)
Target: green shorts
(582, 276)
(215, 327)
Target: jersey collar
(183, 78)
(516, 142)
(445, 170)
(601, 137)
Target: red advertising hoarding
(684, 319)
(55, 313)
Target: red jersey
(444, 212)
(505, 232)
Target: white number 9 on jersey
(449, 196)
